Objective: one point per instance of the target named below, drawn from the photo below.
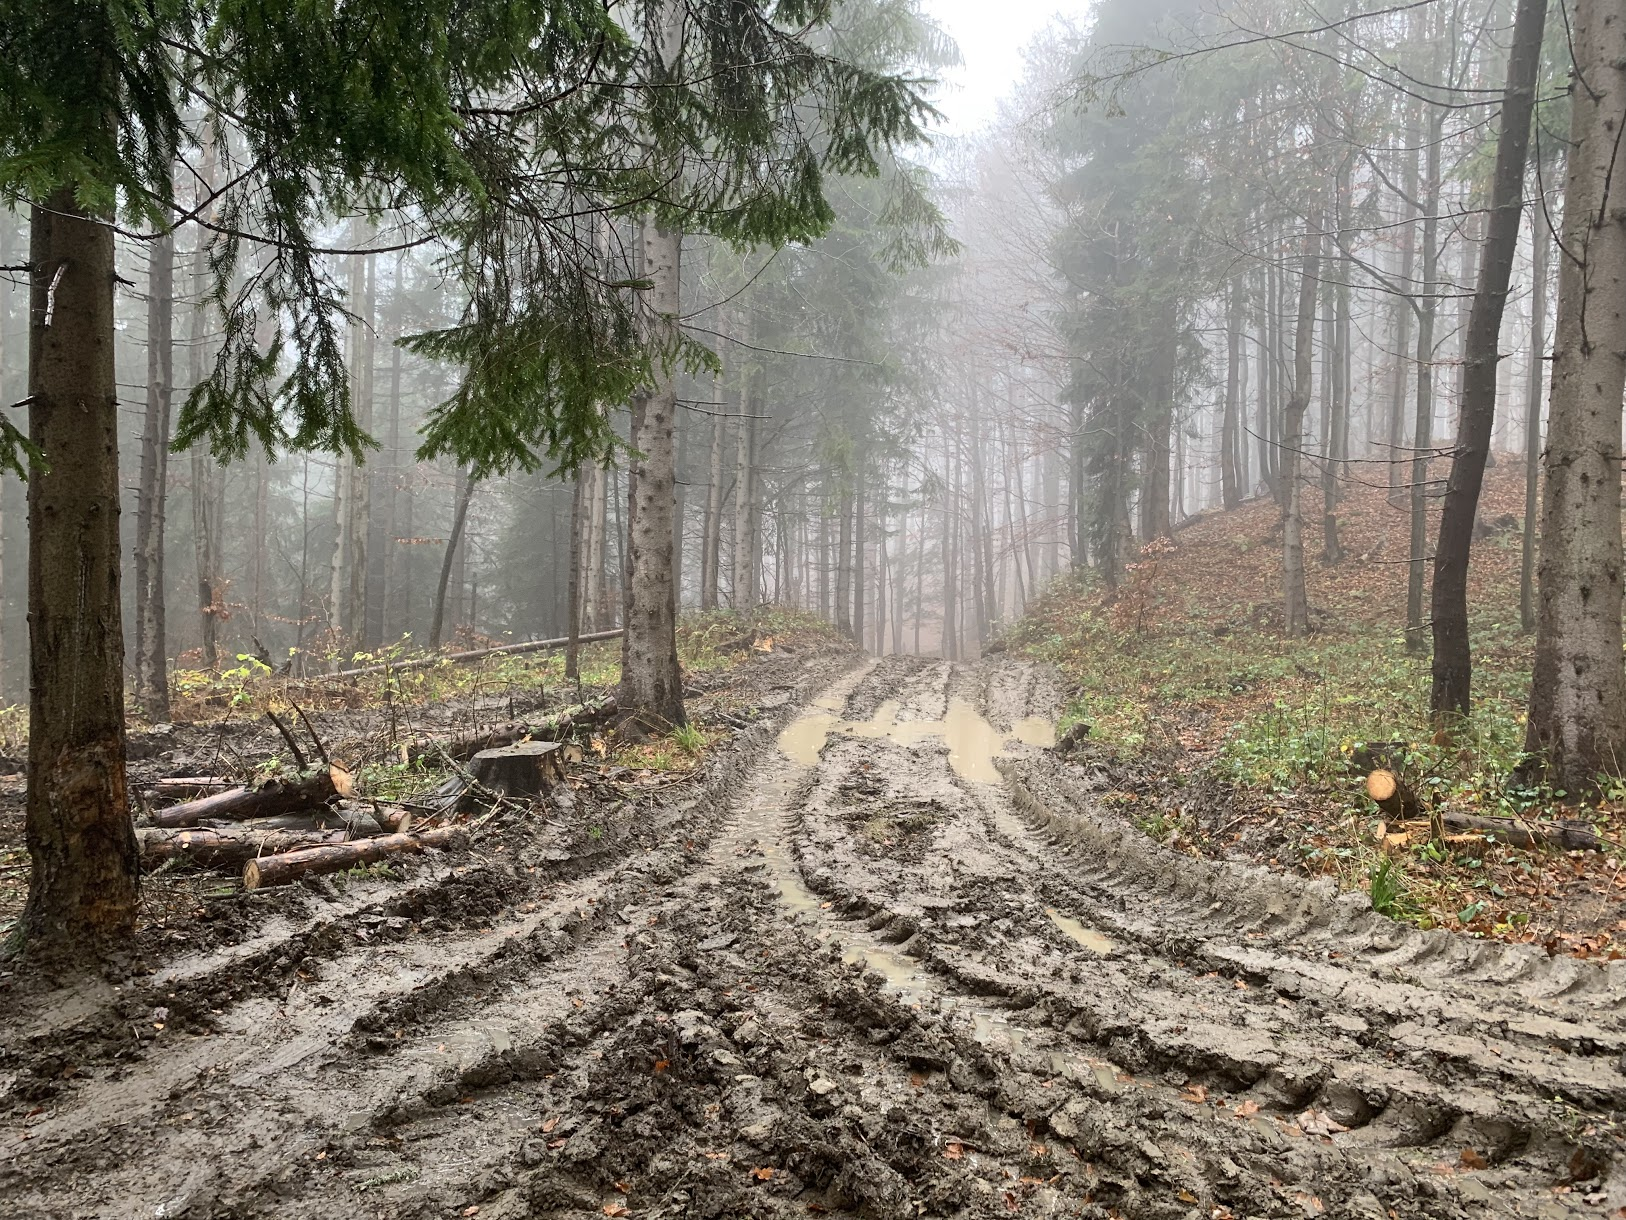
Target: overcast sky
(991, 34)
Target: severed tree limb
(217, 845)
(293, 746)
(302, 795)
(291, 866)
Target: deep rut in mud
(893, 961)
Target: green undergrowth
(707, 642)
(1196, 688)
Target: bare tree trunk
(454, 542)
(1422, 438)
(82, 849)
(1453, 663)
(151, 676)
(1539, 241)
(711, 542)
(651, 679)
(1405, 309)
(844, 550)
(859, 557)
(1231, 485)
(1336, 409)
(745, 523)
(1295, 598)
(573, 593)
(1577, 722)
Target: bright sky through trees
(991, 37)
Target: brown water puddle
(972, 742)
(1092, 940)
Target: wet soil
(883, 958)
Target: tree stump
(528, 770)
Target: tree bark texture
(651, 678)
(151, 673)
(1295, 599)
(83, 881)
(1453, 663)
(1577, 722)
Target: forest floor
(878, 953)
(1225, 739)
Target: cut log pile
(307, 824)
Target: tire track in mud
(880, 979)
(367, 1013)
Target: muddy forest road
(896, 962)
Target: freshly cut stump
(291, 866)
(1390, 794)
(529, 769)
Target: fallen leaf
(1196, 1094)
(623, 1188)
(472, 1210)
(661, 1065)
(1473, 1160)
(1246, 1109)
(613, 1209)
(763, 1173)
(1185, 1196)
(548, 1124)
(953, 1152)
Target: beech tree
(1576, 728)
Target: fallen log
(1390, 794)
(475, 654)
(312, 861)
(277, 796)
(546, 728)
(1570, 834)
(217, 845)
(173, 787)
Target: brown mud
(886, 957)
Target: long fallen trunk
(546, 728)
(1568, 835)
(214, 846)
(278, 796)
(291, 866)
(476, 654)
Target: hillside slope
(1237, 741)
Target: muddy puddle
(972, 742)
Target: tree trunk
(460, 513)
(151, 676)
(651, 678)
(844, 550)
(1453, 672)
(1577, 721)
(711, 539)
(84, 864)
(1539, 242)
(1423, 424)
(1295, 599)
(1336, 409)
(1405, 310)
(858, 555)
(745, 525)
(1231, 487)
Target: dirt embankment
(886, 959)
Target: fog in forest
(1041, 343)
